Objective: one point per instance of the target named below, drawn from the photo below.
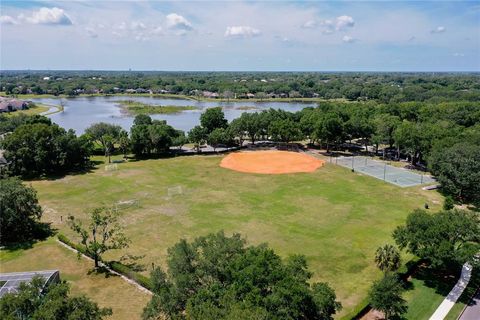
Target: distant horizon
(239, 71)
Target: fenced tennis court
(383, 171)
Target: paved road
(453, 296)
(472, 312)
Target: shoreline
(178, 96)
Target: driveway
(472, 311)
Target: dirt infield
(271, 162)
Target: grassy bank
(334, 217)
(179, 96)
(37, 109)
(136, 107)
(111, 291)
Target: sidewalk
(453, 296)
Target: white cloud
(178, 22)
(310, 24)
(343, 22)
(458, 54)
(51, 16)
(329, 26)
(439, 29)
(135, 25)
(348, 39)
(158, 31)
(241, 32)
(91, 32)
(7, 20)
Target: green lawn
(126, 301)
(31, 111)
(333, 216)
(427, 289)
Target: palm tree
(387, 258)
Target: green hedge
(129, 273)
(114, 265)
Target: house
(10, 282)
(250, 95)
(208, 94)
(8, 105)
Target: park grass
(110, 291)
(334, 217)
(426, 291)
(136, 107)
(37, 109)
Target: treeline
(443, 137)
(383, 87)
(34, 146)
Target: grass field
(125, 300)
(31, 111)
(334, 217)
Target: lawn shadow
(41, 231)
(101, 270)
(441, 280)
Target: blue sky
(231, 35)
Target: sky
(240, 35)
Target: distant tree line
(382, 87)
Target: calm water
(81, 112)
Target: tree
(218, 137)
(285, 130)
(197, 135)
(106, 134)
(124, 143)
(212, 119)
(180, 139)
(457, 168)
(330, 129)
(103, 233)
(33, 301)
(387, 258)
(386, 296)
(142, 119)
(108, 144)
(219, 277)
(33, 149)
(20, 211)
(446, 239)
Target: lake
(80, 112)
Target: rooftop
(11, 281)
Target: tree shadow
(441, 280)
(102, 270)
(41, 231)
(131, 262)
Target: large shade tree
(20, 211)
(446, 238)
(219, 277)
(386, 296)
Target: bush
(114, 265)
(448, 204)
(129, 273)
